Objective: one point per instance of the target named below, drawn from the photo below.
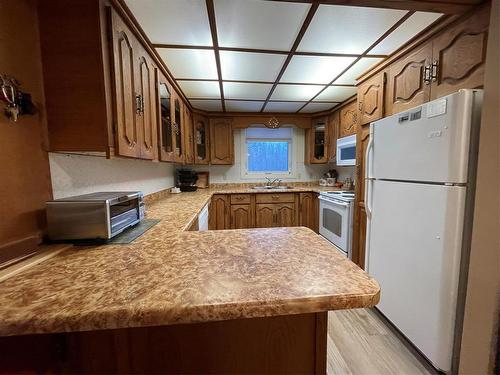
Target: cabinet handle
(434, 71)
(138, 104)
(427, 74)
(360, 105)
(239, 198)
(275, 197)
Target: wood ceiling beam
(446, 7)
(261, 82)
(215, 42)
(382, 37)
(302, 31)
(257, 50)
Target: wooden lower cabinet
(287, 344)
(241, 216)
(309, 211)
(218, 215)
(270, 215)
(265, 215)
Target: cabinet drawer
(240, 198)
(275, 197)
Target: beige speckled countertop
(170, 276)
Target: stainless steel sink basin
(267, 187)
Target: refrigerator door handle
(368, 179)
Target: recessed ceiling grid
(263, 56)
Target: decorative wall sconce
(16, 101)
(273, 123)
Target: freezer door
(429, 143)
(414, 253)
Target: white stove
(336, 211)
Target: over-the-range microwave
(346, 150)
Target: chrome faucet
(271, 182)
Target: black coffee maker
(186, 179)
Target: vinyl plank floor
(360, 343)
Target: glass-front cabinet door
(166, 128)
(178, 128)
(318, 141)
(201, 139)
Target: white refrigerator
(419, 189)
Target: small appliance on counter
(186, 180)
(96, 216)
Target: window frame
(292, 145)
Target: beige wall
(481, 309)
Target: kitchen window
(267, 152)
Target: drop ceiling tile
(242, 106)
(295, 92)
(190, 63)
(317, 107)
(173, 21)
(200, 89)
(347, 29)
(234, 90)
(349, 77)
(258, 24)
(336, 94)
(207, 105)
(245, 66)
(410, 28)
(315, 69)
(283, 106)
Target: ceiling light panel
(234, 90)
(295, 92)
(346, 29)
(283, 106)
(200, 89)
(336, 94)
(315, 69)
(244, 66)
(242, 106)
(258, 24)
(418, 22)
(207, 105)
(349, 77)
(317, 107)
(173, 21)
(190, 63)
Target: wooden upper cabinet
(178, 116)
(459, 54)
(406, 85)
(221, 141)
(127, 98)
(332, 134)
(316, 141)
(348, 120)
(371, 99)
(165, 126)
(188, 136)
(147, 115)
(201, 139)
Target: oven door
(334, 222)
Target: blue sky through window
(267, 156)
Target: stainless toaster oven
(100, 215)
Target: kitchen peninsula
(251, 300)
